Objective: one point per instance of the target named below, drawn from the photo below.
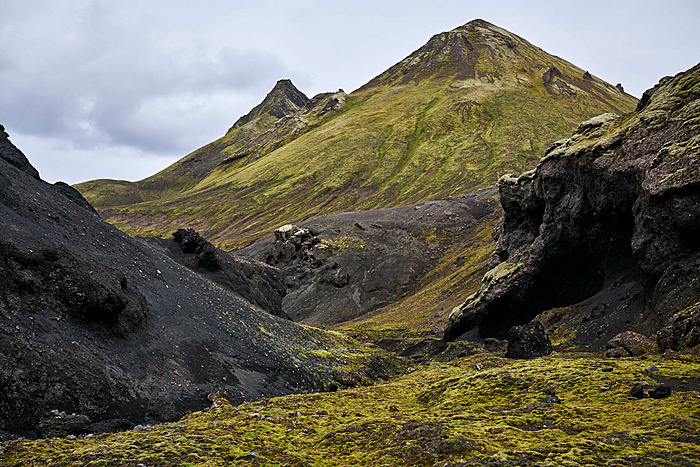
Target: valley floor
(480, 409)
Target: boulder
(62, 425)
(633, 344)
(528, 341)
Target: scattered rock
(551, 400)
(634, 344)
(651, 369)
(639, 390)
(660, 392)
(528, 341)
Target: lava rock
(63, 425)
(253, 280)
(660, 392)
(528, 341)
(620, 198)
(639, 390)
(681, 331)
(634, 344)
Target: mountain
(102, 325)
(472, 104)
(602, 236)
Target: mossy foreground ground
(475, 410)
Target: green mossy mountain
(472, 104)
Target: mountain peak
(471, 51)
(284, 99)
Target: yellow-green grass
(481, 408)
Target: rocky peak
(284, 99)
(14, 156)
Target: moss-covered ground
(480, 409)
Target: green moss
(480, 409)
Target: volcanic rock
(96, 323)
(253, 280)
(345, 265)
(615, 207)
(634, 344)
(528, 341)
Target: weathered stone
(682, 331)
(633, 343)
(528, 341)
(63, 425)
(660, 392)
(639, 390)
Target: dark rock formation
(255, 281)
(682, 330)
(9, 153)
(616, 206)
(528, 341)
(345, 265)
(62, 425)
(96, 323)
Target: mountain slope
(100, 324)
(472, 104)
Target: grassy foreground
(476, 410)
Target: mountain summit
(284, 99)
(471, 105)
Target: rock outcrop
(284, 99)
(255, 281)
(615, 205)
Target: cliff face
(608, 221)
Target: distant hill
(471, 105)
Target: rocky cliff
(605, 231)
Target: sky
(121, 89)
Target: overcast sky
(121, 89)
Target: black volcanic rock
(528, 341)
(96, 323)
(257, 282)
(9, 153)
(616, 205)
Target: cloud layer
(92, 89)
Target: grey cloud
(106, 76)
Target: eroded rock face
(621, 197)
(682, 331)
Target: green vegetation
(411, 134)
(482, 409)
